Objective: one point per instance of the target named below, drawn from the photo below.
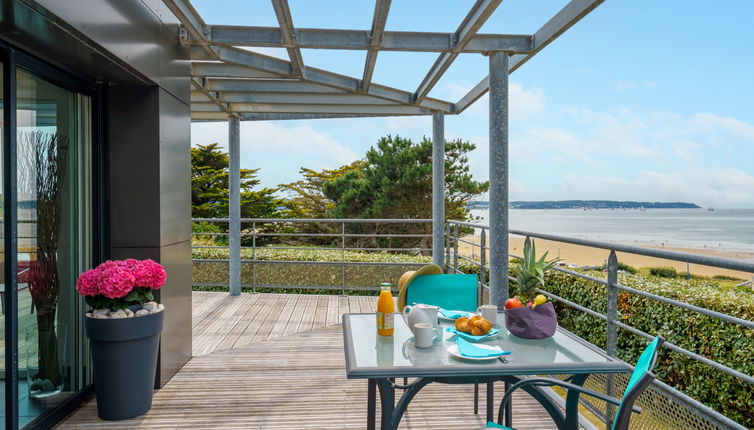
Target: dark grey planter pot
(124, 357)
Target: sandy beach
(581, 255)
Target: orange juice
(385, 311)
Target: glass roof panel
(226, 12)
(465, 72)
(350, 15)
(402, 70)
(521, 16)
(437, 15)
(344, 62)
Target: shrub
(726, 343)
(726, 278)
(314, 275)
(663, 272)
(624, 267)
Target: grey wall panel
(175, 170)
(134, 123)
(176, 348)
(141, 35)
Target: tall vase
(124, 355)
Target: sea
(724, 230)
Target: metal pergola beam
(281, 67)
(269, 86)
(287, 33)
(216, 116)
(471, 24)
(295, 98)
(379, 19)
(372, 41)
(312, 108)
(566, 18)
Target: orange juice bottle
(385, 310)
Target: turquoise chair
(641, 378)
(452, 292)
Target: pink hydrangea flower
(152, 273)
(88, 282)
(117, 281)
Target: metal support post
(254, 257)
(234, 208)
(612, 329)
(438, 185)
(498, 149)
(455, 248)
(447, 248)
(343, 258)
(482, 262)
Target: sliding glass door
(46, 228)
(53, 205)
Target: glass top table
(382, 359)
(369, 355)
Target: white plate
(453, 350)
(444, 318)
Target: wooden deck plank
(260, 328)
(227, 318)
(242, 323)
(298, 313)
(333, 315)
(278, 317)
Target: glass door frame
(12, 60)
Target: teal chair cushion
(453, 292)
(644, 365)
(491, 425)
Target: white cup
(424, 335)
(488, 312)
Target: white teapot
(420, 313)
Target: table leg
(490, 401)
(476, 399)
(387, 403)
(572, 403)
(371, 403)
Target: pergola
(235, 84)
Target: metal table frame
(383, 380)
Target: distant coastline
(588, 204)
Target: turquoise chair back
(452, 292)
(640, 379)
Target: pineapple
(531, 272)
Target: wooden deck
(275, 361)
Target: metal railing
(612, 285)
(339, 238)
(332, 232)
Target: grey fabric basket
(537, 323)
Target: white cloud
(525, 104)
(275, 138)
(717, 187)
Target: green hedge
(308, 275)
(726, 343)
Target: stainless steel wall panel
(141, 35)
(175, 170)
(134, 123)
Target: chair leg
(490, 401)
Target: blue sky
(641, 100)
